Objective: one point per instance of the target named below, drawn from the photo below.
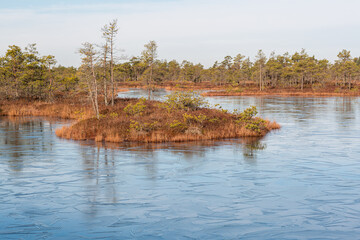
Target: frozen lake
(301, 182)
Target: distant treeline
(26, 74)
(297, 70)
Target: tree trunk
(91, 95)
(112, 70)
(302, 83)
(50, 86)
(105, 82)
(95, 97)
(150, 81)
(260, 80)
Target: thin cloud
(200, 31)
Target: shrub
(135, 125)
(178, 126)
(247, 114)
(256, 125)
(221, 109)
(246, 118)
(134, 109)
(185, 100)
(139, 127)
(193, 118)
(114, 115)
(214, 120)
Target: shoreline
(280, 94)
(154, 124)
(209, 90)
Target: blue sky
(198, 30)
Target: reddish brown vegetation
(66, 109)
(154, 124)
(329, 91)
(157, 124)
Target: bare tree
(109, 33)
(261, 60)
(88, 74)
(104, 63)
(49, 61)
(149, 56)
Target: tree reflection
(23, 138)
(102, 163)
(345, 111)
(99, 178)
(251, 146)
(188, 151)
(26, 140)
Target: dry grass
(157, 124)
(154, 124)
(65, 110)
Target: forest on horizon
(26, 74)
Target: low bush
(138, 108)
(178, 126)
(248, 120)
(189, 118)
(185, 100)
(146, 127)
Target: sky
(201, 31)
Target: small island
(183, 116)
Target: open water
(301, 182)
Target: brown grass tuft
(272, 125)
(65, 110)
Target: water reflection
(101, 163)
(22, 138)
(299, 109)
(298, 183)
(346, 112)
(187, 150)
(99, 179)
(251, 147)
(26, 142)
